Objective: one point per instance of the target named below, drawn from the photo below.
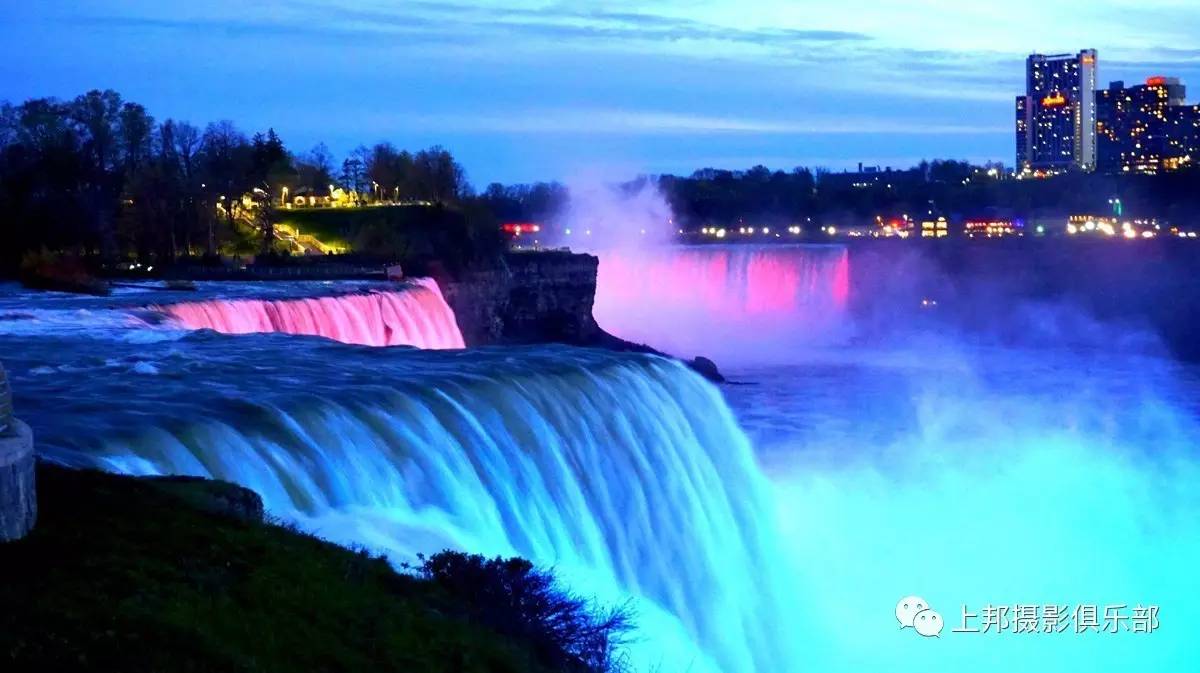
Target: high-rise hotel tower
(1056, 118)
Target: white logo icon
(914, 611)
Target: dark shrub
(515, 599)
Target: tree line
(954, 189)
(813, 198)
(99, 176)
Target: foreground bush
(132, 575)
(515, 599)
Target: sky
(523, 91)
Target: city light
(1056, 100)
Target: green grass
(125, 574)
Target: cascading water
(414, 315)
(734, 303)
(935, 466)
(627, 474)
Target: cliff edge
(539, 297)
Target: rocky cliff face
(532, 298)
(539, 297)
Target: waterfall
(736, 303)
(416, 314)
(626, 474)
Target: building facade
(1023, 161)
(1056, 118)
(1146, 128)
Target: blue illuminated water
(626, 473)
(769, 525)
(982, 476)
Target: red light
(1156, 81)
(517, 228)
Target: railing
(6, 410)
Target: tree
(314, 170)
(264, 221)
(226, 165)
(354, 173)
(97, 175)
(270, 162)
(438, 177)
(136, 133)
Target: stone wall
(6, 410)
(18, 502)
(534, 297)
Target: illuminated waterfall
(415, 315)
(626, 474)
(732, 302)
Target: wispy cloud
(655, 122)
(661, 79)
(552, 25)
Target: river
(769, 524)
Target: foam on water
(983, 477)
(966, 475)
(411, 313)
(626, 474)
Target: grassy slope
(124, 574)
(407, 233)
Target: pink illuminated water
(415, 314)
(736, 302)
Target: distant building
(1146, 128)
(1023, 161)
(1056, 118)
(993, 227)
(935, 228)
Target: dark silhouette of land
(99, 178)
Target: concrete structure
(6, 410)
(1146, 128)
(18, 500)
(1056, 118)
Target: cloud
(644, 80)
(239, 27)
(461, 23)
(653, 122)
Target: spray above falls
(737, 303)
